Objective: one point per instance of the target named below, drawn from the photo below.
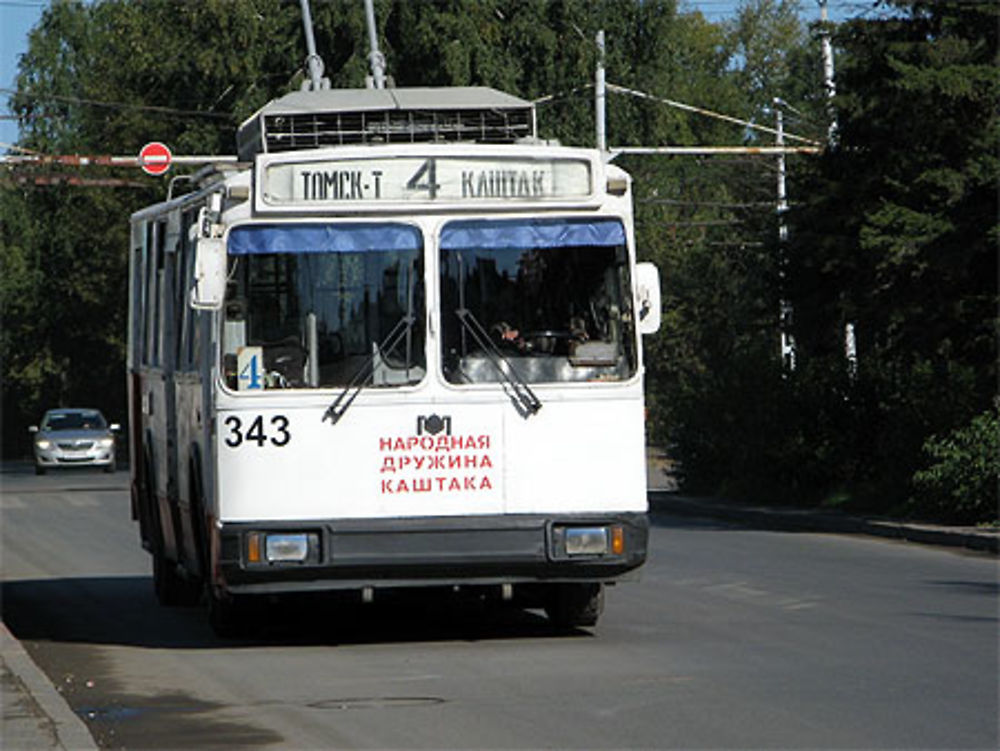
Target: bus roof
(337, 117)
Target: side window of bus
(160, 282)
(136, 295)
(185, 314)
(149, 296)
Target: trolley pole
(313, 61)
(600, 96)
(375, 57)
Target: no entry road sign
(154, 158)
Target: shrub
(963, 477)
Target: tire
(199, 525)
(39, 469)
(172, 590)
(167, 584)
(229, 615)
(574, 605)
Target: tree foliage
(106, 77)
(893, 229)
(962, 476)
(898, 234)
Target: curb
(71, 734)
(812, 520)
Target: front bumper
(96, 456)
(434, 551)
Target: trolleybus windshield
(553, 294)
(312, 305)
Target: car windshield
(316, 304)
(90, 420)
(551, 294)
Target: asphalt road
(734, 638)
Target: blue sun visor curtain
(490, 234)
(257, 239)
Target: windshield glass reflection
(320, 301)
(553, 295)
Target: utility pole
(786, 311)
(850, 338)
(600, 96)
(828, 82)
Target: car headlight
(43, 444)
(105, 443)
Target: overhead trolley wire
(811, 146)
(707, 113)
(121, 105)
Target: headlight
(586, 540)
(43, 444)
(106, 443)
(572, 541)
(282, 547)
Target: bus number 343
(257, 432)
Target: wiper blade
(343, 401)
(524, 396)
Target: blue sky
(17, 17)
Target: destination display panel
(421, 179)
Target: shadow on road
(10, 468)
(123, 611)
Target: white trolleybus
(397, 346)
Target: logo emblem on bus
(433, 425)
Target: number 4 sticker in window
(250, 368)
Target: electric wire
(119, 105)
(706, 112)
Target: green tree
(898, 234)
(765, 35)
(97, 79)
(715, 384)
(962, 479)
(106, 77)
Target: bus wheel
(172, 590)
(229, 615)
(573, 605)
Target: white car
(74, 438)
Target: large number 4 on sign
(248, 367)
(430, 184)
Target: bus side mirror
(209, 288)
(647, 288)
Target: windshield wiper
(522, 393)
(340, 405)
